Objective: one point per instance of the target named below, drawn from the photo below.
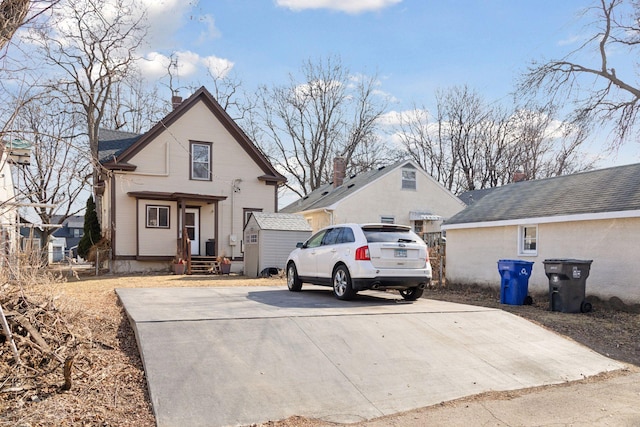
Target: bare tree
(93, 44)
(598, 93)
(421, 137)
(60, 166)
(470, 144)
(133, 106)
(16, 13)
(303, 125)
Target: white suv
(355, 257)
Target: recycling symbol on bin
(523, 272)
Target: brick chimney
(519, 176)
(339, 171)
(176, 101)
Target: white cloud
(348, 6)
(212, 31)
(570, 40)
(165, 18)
(154, 65)
(187, 63)
(218, 67)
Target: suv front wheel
(341, 280)
(293, 281)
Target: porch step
(204, 265)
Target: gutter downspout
(330, 213)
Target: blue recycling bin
(514, 284)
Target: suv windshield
(388, 234)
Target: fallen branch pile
(41, 347)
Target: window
(528, 240)
(252, 239)
(332, 236)
(247, 214)
(201, 161)
(388, 219)
(157, 216)
(419, 226)
(408, 179)
(315, 240)
(78, 232)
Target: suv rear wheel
(341, 280)
(411, 294)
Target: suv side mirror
(299, 245)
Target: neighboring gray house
(268, 240)
(69, 234)
(591, 215)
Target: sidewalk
(611, 399)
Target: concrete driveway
(243, 355)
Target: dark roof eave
(113, 166)
(272, 179)
(158, 195)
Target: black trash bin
(567, 283)
(210, 247)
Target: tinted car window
(332, 236)
(347, 236)
(376, 235)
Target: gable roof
(116, 149)
(326, 195)
(281, 221)
(113, 142)
(615, 189)
(472, 196)
(75, 221)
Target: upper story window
(78, 232)
(157, 216)
(200, 161)
(408, 179)
(528, 240)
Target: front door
(192, 224)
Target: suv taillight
(362, 253)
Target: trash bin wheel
(585, 307)
(528, 300)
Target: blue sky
(415, 46)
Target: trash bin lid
(567, 261)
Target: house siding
(472, 254)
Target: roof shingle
(606, 190)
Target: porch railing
(184, 250)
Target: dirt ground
(106, 380)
